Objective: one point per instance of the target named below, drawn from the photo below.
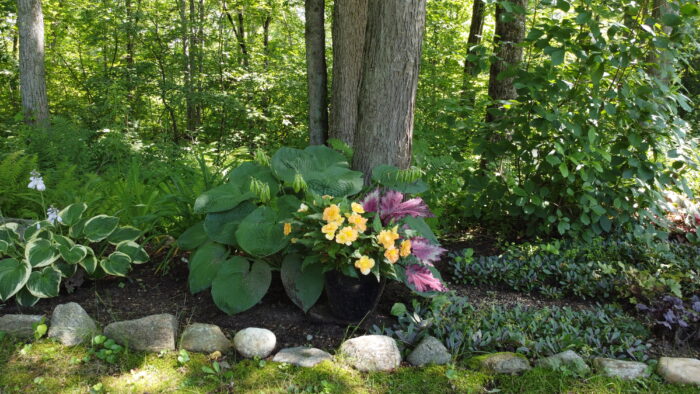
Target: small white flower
(36, 182)
(52, 215)
(303, 208)
(38, 226)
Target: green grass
(48, 367)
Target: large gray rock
(372, 353)
(569, 360)
(627, 370)
(429, 351)
(255, 342)
(20, 326)
(151, 333)
(503, 362)
(301, 356)
(680, 370)
(71, 325)
(204, 338)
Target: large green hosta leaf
(117, 264)
(221, 226)
(89, 263)
(125, 233)
(13, 276)
(72, 213)
(44, 283)
(100, 227)
(205, 264)
(324, 170)
(221, 198)
(260, 233)
(193, 237)
(303, 286)
(135, 251)
(25, 298)
(238, 286)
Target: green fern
(15, 197)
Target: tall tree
(35, 103)
(471, 67)
(316, 74)
(349, 24)
(510, 31)
(389, 81)
(659, 59)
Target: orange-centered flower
(364, 264)
(405, 248)
(330, 229)
(392, 255)
(287, 228)
(347, 235)
(387, 237)
(332, 214)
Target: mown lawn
(48, 367)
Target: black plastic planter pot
(350, 299)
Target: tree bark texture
(510, 31)
(471, 68)
(316, 74)
(389, 81)
(35, 104)
(349, 24)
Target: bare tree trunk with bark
(471, 68)
(32, 75)
(390, 69)
(317, 78)
(349, 24)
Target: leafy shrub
(255, 210)
(34, 261)
(620, 267)
(674, 318)
(605, 331)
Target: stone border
(71, 325)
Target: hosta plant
(254, 223)
(34, 261)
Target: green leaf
(671, 19)
(260, 233)
(605, 223)
(25, 298)
(125, 233)
(286, 206)
(14, 274)
(89, 263)
(690, 10)
(221, 198)
(242, 176)
(193, 237)
(238, 286)
(72, 213)
(100, 227)
(303, 287)
(40, 252)
(564, 170)
(557, 55)
(398, 309)
(388, 176)
(117, 264)
(137, 253)
(205, 264)
(67, 270)
(76, 230)
(421, 227)
(74, 254)
(44, 283)
(221, 226)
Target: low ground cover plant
(622, 267)
(536, 332)
(304, 212)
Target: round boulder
(204, 338)
(372, 353)
(255, 342)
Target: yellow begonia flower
(357, 208)
(387, 237)
(303, 208)
(392, 254)
(405, 248)
(330, 229)
(346, 235)
(287, 228)
(358, 221)
(332, 214)
(364, 264)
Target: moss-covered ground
(48, 367)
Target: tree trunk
(349, 24)
(390, 68)
(471, 68)
(316, 71)
(659, 59)
(35, 103)
(510, 31)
